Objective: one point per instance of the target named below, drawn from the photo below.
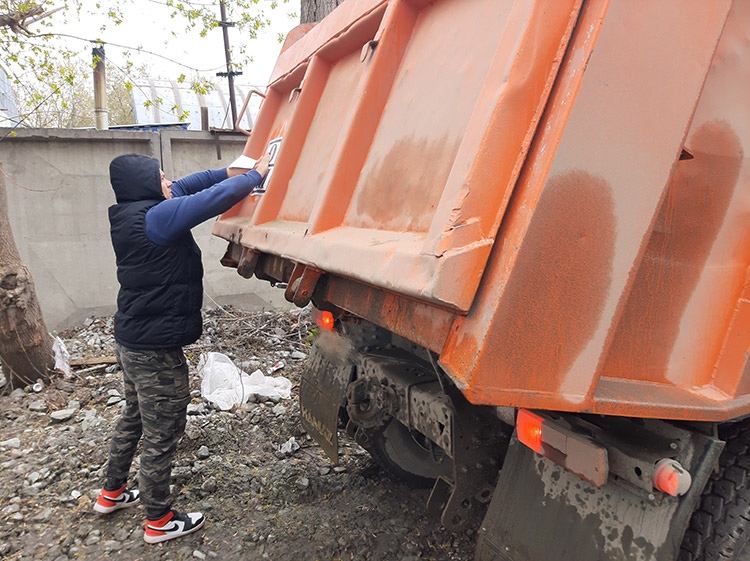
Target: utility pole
(230, 73)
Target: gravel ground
(265, 495)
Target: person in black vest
(159, 304)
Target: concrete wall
(58, 194)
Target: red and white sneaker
(110, 501)
(172, 525)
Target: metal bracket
(247, 263)
(479, 442)
(301, 285)
(232, 255)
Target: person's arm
(171, 218)
(196, 182)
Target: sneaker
(172, 525)
(110, 501)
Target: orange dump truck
(526, 225)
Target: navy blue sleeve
(171, 218)
(196, 182)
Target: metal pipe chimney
(101, 115)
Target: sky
(147, 25)
(145, 34)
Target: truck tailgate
(402, 128)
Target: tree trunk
(25, 345)
(315, 10)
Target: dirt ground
(265, 495)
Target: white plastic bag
(62, 357)
(226, 386)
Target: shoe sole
(171, 536)
(109, 509)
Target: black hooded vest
(161, 286)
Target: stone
(203, 452)
(93, 537)
(181, 473)
(63, 415)
(39, 405)
(42, 516)
(289, 447)
(14, 442)
(32, 490)
(11, 509)
(115, 399)
(250, 365)
(91, 421)
(209, 485)
(298, 355)
(196, 409)
(193, 431)
(198, 554)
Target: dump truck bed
(551, 196)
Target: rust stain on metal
(414, 173)
(557, 291)
(689, 220)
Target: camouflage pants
(156, 400)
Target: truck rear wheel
(720, 526)
(408, 456)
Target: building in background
(162, 102)
(8, 106)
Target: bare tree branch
(19, 20)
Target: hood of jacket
(135, 177)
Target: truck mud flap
(322, 390)
(540, 512)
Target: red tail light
(323, 319)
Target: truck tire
(407, 456)
(720, 526)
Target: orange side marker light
(529, 429)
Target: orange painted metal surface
(392, 123)
(555, 196)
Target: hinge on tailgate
(302, 285)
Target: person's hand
(241, 165)
(261, 166)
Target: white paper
(243, 162)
